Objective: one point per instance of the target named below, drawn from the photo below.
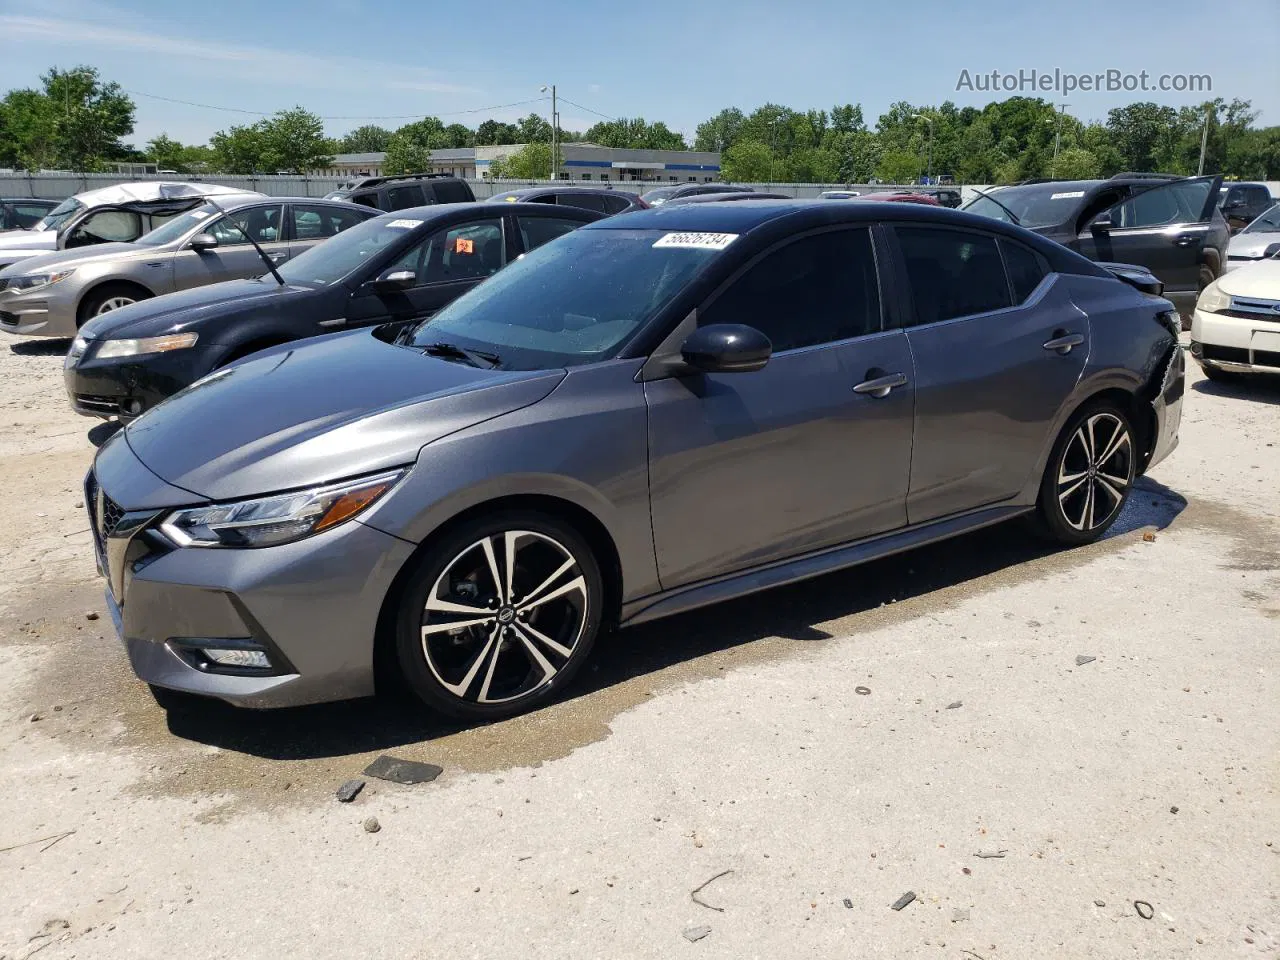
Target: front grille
(98, 404)
(1254, 307)
(1255, 317)
(8, 319)
(3, 283)
(111, 514)
(1227, 354)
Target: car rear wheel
(109, 298)
(499, 615)
(1089, 475)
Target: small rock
(903, 900)
(34, 718)
(959, 914)
(350, 790)
(1149, 537)
(848, 904)
(1099, 903)
(573, 891)
(1173, 809)
(57, 708)
(91, 615)
(372, 825)
(1145, 910)
(1081, 660)
(694, 934)
(966, 871)
(955, 706)
(402, 771)
(79, 504)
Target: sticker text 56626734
(697, 241)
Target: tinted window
(1025, 272)
(539, 230)
(1171, 203)
(261, 223)
(616, 204)
(815, 290)
(398, 198)
(1268, 222)
(349, 251)
(28, 215)
(452, 191)
(319, 223)
(1259, 196)
(469, 252)
(366, 200)
(587, 201)
(952, 274)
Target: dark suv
(1242, 203)
(1170, 225)
(589, 198)
(400, 193)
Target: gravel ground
(732, 739)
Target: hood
(1261, 280)
(28, 240)
(1251, 244)
(83, 255)
(319, 410)
(194, 307)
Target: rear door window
(535, 231)
(587, 201)
(320, 222)
(366, 200)
(952, 273)
(470, 251)
(409, 195)
(1025, 269)
(616, 204)
(1178, 202)
(452, 191)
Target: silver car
(1252, 243)
(54, 294)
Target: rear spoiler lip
(1138, 277)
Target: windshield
(338, 256)
(575, 300)
(336, 195)
(1038, 206)
(177, 227)
(511, 196)
(60, 214)
(660, 195)
(1268, 222)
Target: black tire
(1219, 376)
(490, 667)
(1080, 469)
(109, 297)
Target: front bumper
(42, 313)
(128, 386)
(1167, 405)
(312, 606)
(1236, 343)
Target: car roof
(443, 213)
(155, 191)
(538, 191)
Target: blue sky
(678, 62)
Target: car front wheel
(499, 615)
(1089, 475)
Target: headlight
(1212, 299)
(132, 348)
(36, 280)
(277, 519)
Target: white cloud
(295, 68)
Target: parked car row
(558, 422)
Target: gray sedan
(659, 411)
(1253, 242)
(55, 294)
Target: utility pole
(1057, 137)
(1204, 138)
(929, 163)
(555, 130)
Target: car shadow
(56, 347)
(1260, 388)
(792, 613)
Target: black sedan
(396, 268)
(590, 198)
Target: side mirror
(391, 280)
(202, 242)
(726, 348)
(1272, 252)
(1101, 224)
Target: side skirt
(810, 565)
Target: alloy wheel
(1095, 472)
(504, 617)
(113, 303)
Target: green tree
(533, 129)
(28, 131)
(406, 155)
(495, 133)
(747, 161)
(292, 141)
(899, 166)
(75, 121)
(168, 154)
(1136, 131)
(239, 149)
(635, 134)
(1074, 163)
(456, 135)
(720, 132)
(370, 138)
(530, 162)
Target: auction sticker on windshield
(697, 241)
(1069, 195)
(405, 224)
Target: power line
(400, 116)
(588, 109)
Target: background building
(578, 161)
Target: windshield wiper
(983, 193)
(245, 233)
(451, 351)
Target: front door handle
(1062, 341)
(1186, 240)
(277, 257)
(879, 386)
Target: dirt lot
(727, 740)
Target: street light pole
(1057, 137)
(1204, 138)
(929, 162)
(555, 125)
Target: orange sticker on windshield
(463, 245)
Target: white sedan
(1236, 327)
(1252, 243)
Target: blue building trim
(587, 163)
(690, 166)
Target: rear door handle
(880, 386)
(1186, 240)
(1063, 342)
(278, 257)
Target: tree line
(75, 120)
